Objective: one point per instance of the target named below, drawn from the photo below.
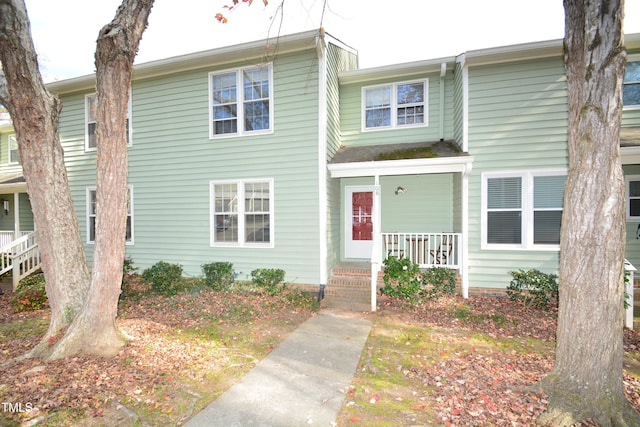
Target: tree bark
(35, 113)
(586, 382)
(94, 330)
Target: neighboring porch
(19, 252)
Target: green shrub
(128, 272)
(164, 278)
(268, 279)
(402, 279)
(218, 275)
(534, 287)
(31, 294)
(442, 281)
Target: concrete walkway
(300, 383)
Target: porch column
(376, 258)
(16, 215)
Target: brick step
(356, 282)
(348, 272)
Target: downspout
(322, 161)
(443, 72)
(464, 270)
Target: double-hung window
(240, 101)
(91, 216)
(522, 210)
(242, 213)
(91, 104)
(631, 84)
(14, 155)
(633, 197)
(395, 105)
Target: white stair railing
(21, 256)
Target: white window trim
(632, 58)
(88, 215)
(627, 180)
(86, 122)
(240, 103)
(10, 137)
(241, 213)
(394, 106)
(527, 209)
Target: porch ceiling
(400, 159)
(12, 182)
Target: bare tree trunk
(586, 382)
(35, 114)
(94, 330)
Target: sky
(382, 31)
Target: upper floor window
(91, 103)
(395, 105)
(14, 155)
(241, 101)
(522, 210)
(242, 213)
(91, 216)
(633, 197)
(631, 85)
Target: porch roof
(400, 159)
(12, 182)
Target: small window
(91, 216)
(14, 154)
(395, 105)
(522, 210)
(631, 85)
(242, 213)
(241, 101)
(633, 197)
(91, 104)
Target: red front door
(359, 222)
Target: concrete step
(347, 304)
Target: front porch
(425, 249)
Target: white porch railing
(7, 237)
(21, 256)
(425, 249)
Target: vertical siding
(172, 162)
(517, 121)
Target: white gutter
(460, 164)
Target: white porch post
(376, 248)
(16, 215)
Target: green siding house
(287, 155)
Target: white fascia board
(630, 155)
(460, 164)
(396, 71)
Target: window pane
(411, 115)
(226, 212)
(504, 193)
(256, 84)
(504, 227)
(378, 118)
(92, 105)
(632, 72)
(548, 191)
(631, 94)
(256, 115)
(634, 207)
(223, 88)
(378, 107)
(411, 93)
(14, 154)
(546, 227)
(256, 205)
(634, 188)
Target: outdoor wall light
(400, 190)
(5, 206)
